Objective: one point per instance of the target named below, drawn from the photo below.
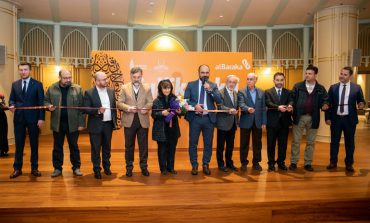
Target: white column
(269, 47)
(234, 43)
(130, 39)
(94, 38)
(199, 40)
(306, 46)
(57, 44)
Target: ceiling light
(221, 16)
(151, 3)
(113, 14)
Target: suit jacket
(226, 121)
(355, 96)
(95, 120)
(34, 97)
(245, 101)
(192, 95)
(127, 98)
(276, 118)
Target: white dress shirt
(105, 103)
(348, 88)
(27, 83)
(231, 94)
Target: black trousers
(256, 143)
(4, 146)
(20, 129)
(142, 137)
(166, 155)
(342, 124)
(228, 138)
(101, 140)
(279, 134)
(74, 152)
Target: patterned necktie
(279, 94)
(24, 88)
(341, 106)
(231, 97)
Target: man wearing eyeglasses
(203, 95)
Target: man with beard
(65, 122)
(135, 99)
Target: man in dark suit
(227, 124)
(202, 95)
(253, 118)
(101, 122)
(342, 117)
(26, 92)
(278, 121)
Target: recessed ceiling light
(151, 3)
(221, 16)
(113, 13)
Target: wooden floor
(300, 196)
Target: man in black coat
(278, 121)
(26, 92)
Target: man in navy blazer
(253, 118)
(26, 92)
(202, 95)
(342, 117)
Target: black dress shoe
(332, 166)
(206, 170)
(164, 172)
(293, 167)
(349, 168)
(257, 167)
(36, 173)
(243, 167)
(145, 172)
(194, 170)
(15, 174)
(223, 168)
(97, 175)
(107, 172)
(174, 172)
(308, 168)
(233, 168)
(282, 167)
(128, 173)
(4, 154)
(271, 168)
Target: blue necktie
(201, 97)
(279, 94)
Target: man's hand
(361, 105)
(101, 110)
(80, 128)
(207, 87)
(233, 111)
(165, 113)
(282, 108)
(178, 111)
(40, 123)
(144, 111)
(251, 110)
(12, 108)
(132, 109)
(51, 108)
(289, 108)
(325, 107)
(328, 122)
(263, 126)
(198, 108)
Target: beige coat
(126, 99)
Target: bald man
(101, 122)
(65, 122)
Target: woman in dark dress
(166, 131)
(4, 147)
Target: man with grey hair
(253, 118)
(227, 124)
(101, 122)
(65, 122)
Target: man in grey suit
(201, 94)
(101, 122)
(227, 123)
(253, 118)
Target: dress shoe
(257, 167)
(145, 172)
(194, 170)
(271, 168)
(174, 172)
(282, 167)
(243, 167)
(56, 173)
(97, 175)
(36, 172)
(308, 168)
(164, 172)
(223, 168)
(77, 172)
(4, 154)
(206, 170)
(107, 172)
(233, 168)
(332, 166)
(349, 168)
(293, 167)
(129, 173)
(15, 174)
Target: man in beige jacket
(135, 99)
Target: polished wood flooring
(319, 196)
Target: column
(335, 35)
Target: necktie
(24, 88)
(341, 106)
(279, 94)
(231, 96)
(201, 97)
